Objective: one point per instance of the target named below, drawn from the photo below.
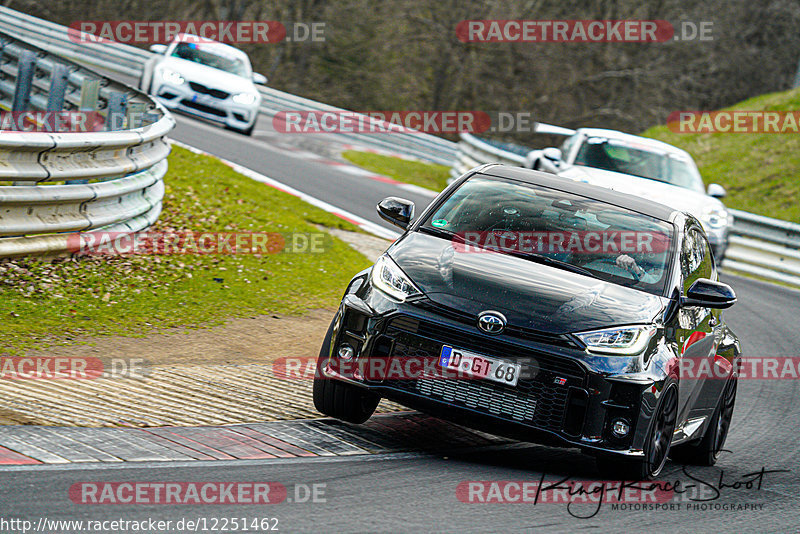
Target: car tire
(244, 131)
(339, 399)
(706, 451)
(657, 445)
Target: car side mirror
(259, 78)
(553, 154)
(707, 293)
(716, 191)
(397, 211)
(158, 49)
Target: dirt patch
(248, 340)
(213, 376)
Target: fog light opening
(346, 352)
(620, 428)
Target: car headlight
(172, 77)
(388, 277)
(626, 340)
(246, 99)
(715, 217)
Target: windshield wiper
(552, 262)
(440, 232)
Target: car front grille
(202, 89)
(522, 334)
(539, 399)
(204, 108)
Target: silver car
(639, 166)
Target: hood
(530, 295)
(216, 78)
(678, 198)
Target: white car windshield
(612, 155)
(211, 57)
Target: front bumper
(221, 110)
(565, 396)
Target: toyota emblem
(491, 322)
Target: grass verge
(44, 303)
(429, 175)
(760, 171)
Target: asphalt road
(413, 492)
(417, 492)
(352, 192)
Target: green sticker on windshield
(438, 223)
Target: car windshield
(212, 56)
(563, 230)
(612, 155)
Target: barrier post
(22, 93)
(58, 87)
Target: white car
(205, 78)
(643, 167)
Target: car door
(697, 326)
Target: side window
(567, 145)
(696, 259)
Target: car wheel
(656, 449)
(244, 131)
(339, 399)
(706, 451)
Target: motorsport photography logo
(721, 368)
(102, 243)
(582, 31)
(241, 32)
(734, 121)
(450, 364)
(52, 121)
(585, 499)
(195, 493)
(71, 368)
(551, 242)
(403, 122)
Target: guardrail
(416, 144)
(129, 60)
(473, 152)
(760, 246)
(765, 247)
(67, 183)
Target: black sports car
(546, 310)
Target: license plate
(479, 366)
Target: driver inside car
(626, 262)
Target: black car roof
(623, 200)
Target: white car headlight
(388, 277)
(715, 217)
(246, 99)
(170, 76)
(626, 340)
